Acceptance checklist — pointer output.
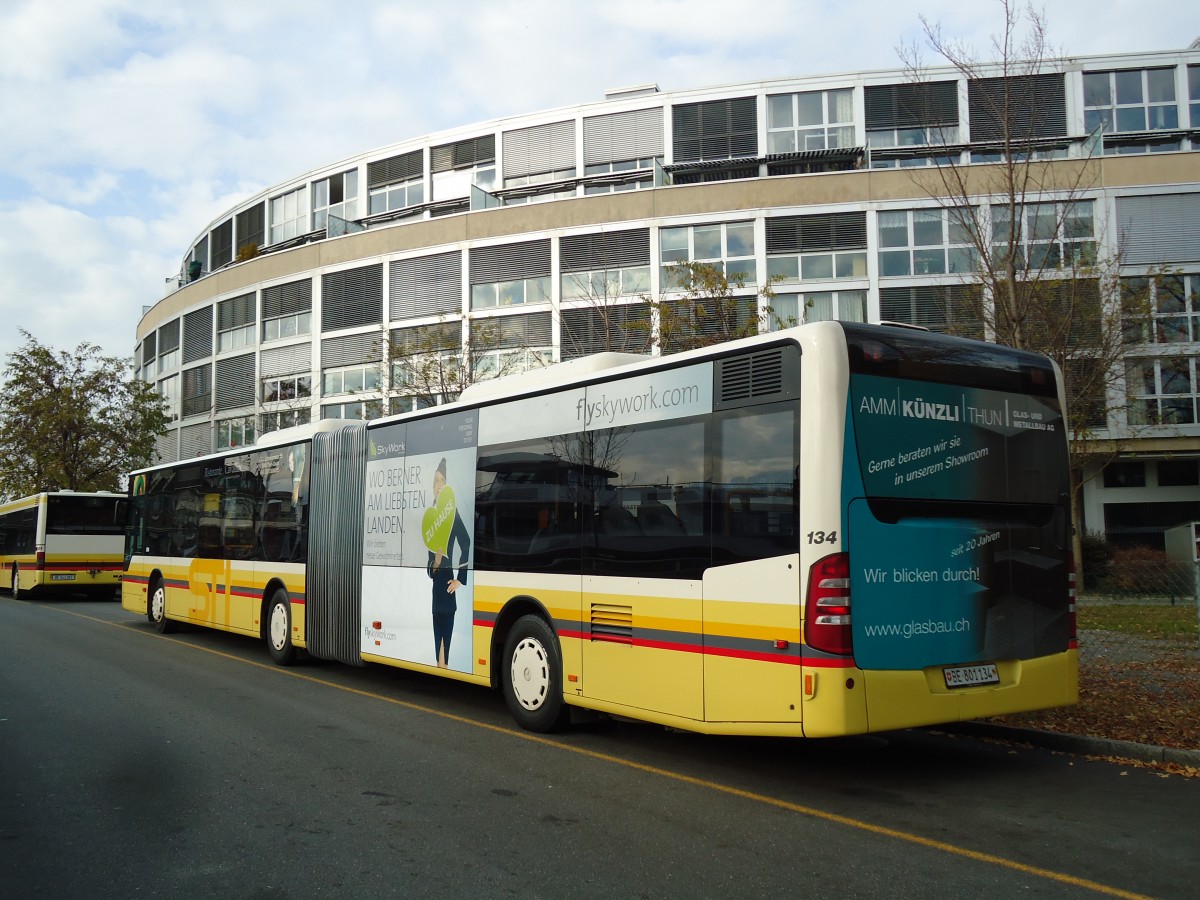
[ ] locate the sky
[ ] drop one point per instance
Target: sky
(127, 126)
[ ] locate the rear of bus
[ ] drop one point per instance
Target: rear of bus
(952, 597)
(84, 542)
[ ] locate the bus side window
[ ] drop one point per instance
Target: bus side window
(755, 494)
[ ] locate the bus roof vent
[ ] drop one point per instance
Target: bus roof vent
(763, 376)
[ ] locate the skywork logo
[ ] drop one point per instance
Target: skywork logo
(608, 411)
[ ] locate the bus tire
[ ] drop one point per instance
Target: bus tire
(532, 676)
(279, 629)
(156, 607)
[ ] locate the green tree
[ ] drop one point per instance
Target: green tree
(73, 420)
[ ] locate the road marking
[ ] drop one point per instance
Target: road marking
(809, 811)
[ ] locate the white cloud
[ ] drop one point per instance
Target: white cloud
(129, 126)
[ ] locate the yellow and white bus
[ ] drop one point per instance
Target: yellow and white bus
(833, 529)
(63, 541)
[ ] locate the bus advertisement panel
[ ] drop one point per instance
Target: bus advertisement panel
(961, 558)
(420, 497)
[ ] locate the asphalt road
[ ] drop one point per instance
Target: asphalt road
(140, 765)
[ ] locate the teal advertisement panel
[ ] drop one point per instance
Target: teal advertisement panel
(958, 524)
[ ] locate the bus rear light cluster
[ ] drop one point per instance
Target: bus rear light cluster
(827, 605)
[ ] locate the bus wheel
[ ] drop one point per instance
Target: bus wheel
(16, 583)
(279, 629)
(156, 608)
(532, 676)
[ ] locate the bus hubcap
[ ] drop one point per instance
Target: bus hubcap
(530, 674)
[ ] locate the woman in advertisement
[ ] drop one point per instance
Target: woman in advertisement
(445, 532)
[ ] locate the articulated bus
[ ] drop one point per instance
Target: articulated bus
(63, 541)
(833, 529)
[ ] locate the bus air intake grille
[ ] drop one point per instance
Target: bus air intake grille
(753, 378)
(612, 623)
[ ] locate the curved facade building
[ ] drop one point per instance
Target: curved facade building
(537, 238)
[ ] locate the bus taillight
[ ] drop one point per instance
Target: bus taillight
(827, 608)
(41, 560)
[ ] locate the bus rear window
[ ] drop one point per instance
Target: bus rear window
(927, 356)
(925, 441)
(84, 515)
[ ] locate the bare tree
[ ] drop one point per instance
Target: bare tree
(597, 316)
(431, 364)
(1029, 240)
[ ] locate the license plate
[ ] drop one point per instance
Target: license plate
(970, 676)
(62, 576)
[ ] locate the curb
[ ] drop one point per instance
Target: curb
(1077, 744)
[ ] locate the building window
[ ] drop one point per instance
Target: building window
(1178, 473)
(817, 247)
(350, 380)
(397, 196)
(168, 389)
(1194, 100)
(458, 182)
(235, 323)
(284, 418)
(510, 274)
(606, 265)
(946, 308)
(916, 114)
(620, 187)
(1046, 235)
(624, 176)
(288, 216)
(818, 306)
(715, 129)
(516, 292)
(728, 247)
(926, 242)
(1125, 474)
(196, 390)
(336, 195)
(495, 363)
(415, 403)
(287, 387)
(503, 345)
(1130, 100)
(293, 325)
(618, 166)
(168, 347)
(1161, 391)
(235, 433)
(235, 338)
(814, 120)
(362, 410)
(1162, 310)
(458, 166)
(606, 283)
(542, 154)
